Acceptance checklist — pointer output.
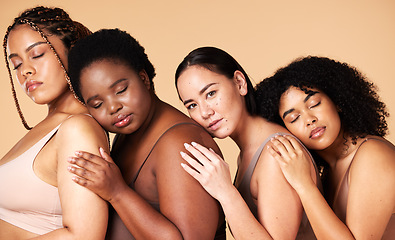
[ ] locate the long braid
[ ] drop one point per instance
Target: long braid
(18, 107)
(57, 22)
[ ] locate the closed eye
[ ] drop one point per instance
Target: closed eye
(38, 56)
(97, 105)
(317, 104)
(123, 90)
(295, 119)
(17, 66)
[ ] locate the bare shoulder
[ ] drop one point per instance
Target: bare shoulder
(375, 155)
(81, 127)
(175, 137)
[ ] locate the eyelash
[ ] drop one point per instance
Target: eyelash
(190, 106)
(97, 106)
(317, 104)
(35, 57)
(210, 94)
(123, 90)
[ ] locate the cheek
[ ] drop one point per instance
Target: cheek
(294, 129)
(100, 117)
(195, 116)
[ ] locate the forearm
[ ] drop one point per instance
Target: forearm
(69, 234)
(141, 219)
(325, 223)
(241, 221)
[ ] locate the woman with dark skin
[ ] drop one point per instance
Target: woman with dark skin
(336, 112)
(219, 96)
(38, 199)
(152, 196)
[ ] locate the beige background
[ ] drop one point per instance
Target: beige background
(261, 35)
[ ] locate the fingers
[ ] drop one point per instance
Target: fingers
(195, 164)
(191, 171)
(209, 153)
(283, 147)
(106, 156)
(81, 181)
(88, 157)
(81, 173)
(198, 154)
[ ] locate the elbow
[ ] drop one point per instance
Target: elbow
(84, 233)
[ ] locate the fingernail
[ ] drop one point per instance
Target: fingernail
(78, 153)
(70, 168)
(194, 144)
(186, 145)
(182, 154)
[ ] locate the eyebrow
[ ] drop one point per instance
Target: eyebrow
(111, 86)
(309, 93)
(27, 49)
(200, 92)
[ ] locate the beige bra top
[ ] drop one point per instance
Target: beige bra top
(25, 200)
(341, 198)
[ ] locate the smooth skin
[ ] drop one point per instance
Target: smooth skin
(217, 104)
(187, 211)
(371, 200)
(84, 213)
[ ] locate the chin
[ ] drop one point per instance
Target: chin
(219, 135)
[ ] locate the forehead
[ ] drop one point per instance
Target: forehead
(23, 36)
(195, 77)
(294, 95)
(104, 72)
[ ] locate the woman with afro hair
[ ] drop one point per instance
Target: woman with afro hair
(335, 111)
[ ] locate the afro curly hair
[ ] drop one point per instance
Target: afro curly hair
(109, 44)
(360, 109)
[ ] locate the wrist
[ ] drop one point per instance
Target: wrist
(118, 193)
(304, 189)
(227, 196)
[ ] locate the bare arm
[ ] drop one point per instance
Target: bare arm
(279, 208)
(371, 197)
(84, 213)
(187, 211)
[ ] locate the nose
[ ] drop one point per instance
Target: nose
(114, 106)
(206, 111)
(311, 120)
(27, 70)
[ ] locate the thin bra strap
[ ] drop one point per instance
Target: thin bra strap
(145, 160)
(254, 160)
(352, 160)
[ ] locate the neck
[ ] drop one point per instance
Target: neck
(152, 115)
(341, 148)
(248, 128)
(66, 103)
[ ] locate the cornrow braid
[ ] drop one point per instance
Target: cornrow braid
(56, 21)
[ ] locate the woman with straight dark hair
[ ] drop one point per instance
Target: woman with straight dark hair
(218, 94)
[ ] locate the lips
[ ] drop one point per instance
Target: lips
(214, 125)
(122, 120)
(317, 132)
(32, 85)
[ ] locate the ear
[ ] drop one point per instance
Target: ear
(144, 77)
(240, 82)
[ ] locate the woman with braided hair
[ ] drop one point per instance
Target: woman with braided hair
(38, 198)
